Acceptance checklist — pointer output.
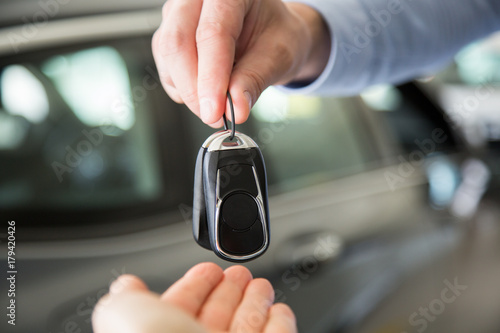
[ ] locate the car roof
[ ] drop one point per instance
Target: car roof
(30, 25)
(18, 12)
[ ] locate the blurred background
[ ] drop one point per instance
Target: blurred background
(384, 206)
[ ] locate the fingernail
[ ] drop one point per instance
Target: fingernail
(206, 110)
(249, 99)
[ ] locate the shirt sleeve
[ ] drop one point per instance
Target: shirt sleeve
(391, 41)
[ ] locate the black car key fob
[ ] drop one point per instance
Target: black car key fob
(230, 209)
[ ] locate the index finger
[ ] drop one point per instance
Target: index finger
(174, 49)
(220, 25)
(192, 290)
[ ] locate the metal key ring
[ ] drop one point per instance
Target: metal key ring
(233, 125)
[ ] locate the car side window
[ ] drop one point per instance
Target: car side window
(307, 140)
(72, 135)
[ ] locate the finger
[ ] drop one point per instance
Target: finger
(155, 46)
(218, 311)
(218, 124)
(140, 312)
(173, 94)
(192, 290)
(220, 25)
(281, 320)
(127, 282)
(242, 102)
(251, 315)
(165, 79)
(175, 51)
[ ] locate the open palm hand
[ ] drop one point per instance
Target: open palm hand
(205, 299)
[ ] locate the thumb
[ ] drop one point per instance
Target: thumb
(140, 312)
(257, 70)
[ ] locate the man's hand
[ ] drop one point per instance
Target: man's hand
(205, 299)
(205, 48)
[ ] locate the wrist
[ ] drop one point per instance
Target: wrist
(319, 40)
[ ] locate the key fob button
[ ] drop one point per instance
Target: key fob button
(239, 211)
(237, 243)
(237, 177)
